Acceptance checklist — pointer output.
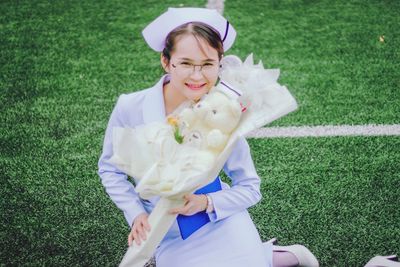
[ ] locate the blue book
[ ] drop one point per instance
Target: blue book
(189, 224)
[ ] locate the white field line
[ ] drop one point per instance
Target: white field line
(315, 131)
(216, 4)
(320, 131)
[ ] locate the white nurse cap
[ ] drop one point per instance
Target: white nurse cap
(157, 31)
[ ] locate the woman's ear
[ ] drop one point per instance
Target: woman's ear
(164, 63)
(220, 65)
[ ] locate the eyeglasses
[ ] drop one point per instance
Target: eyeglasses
(187, 68)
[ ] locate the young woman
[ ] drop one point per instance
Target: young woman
(192, 42)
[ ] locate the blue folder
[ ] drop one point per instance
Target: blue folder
(190, 224)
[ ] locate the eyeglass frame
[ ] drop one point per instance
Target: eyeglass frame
(193, 66)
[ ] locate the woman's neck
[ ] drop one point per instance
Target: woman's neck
(172, 98)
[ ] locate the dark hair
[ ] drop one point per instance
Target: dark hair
(198, 30)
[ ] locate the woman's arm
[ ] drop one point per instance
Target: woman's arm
(120, 190)
(245, 190)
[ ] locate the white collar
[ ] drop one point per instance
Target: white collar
(153, 104)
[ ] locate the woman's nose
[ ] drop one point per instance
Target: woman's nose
(196, 73)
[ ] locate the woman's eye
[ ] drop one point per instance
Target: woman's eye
(208, 66)
(186, 64)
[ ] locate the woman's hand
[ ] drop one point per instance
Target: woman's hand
(194, 204)
(139, 228)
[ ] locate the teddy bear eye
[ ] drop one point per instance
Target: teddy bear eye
(214, 111)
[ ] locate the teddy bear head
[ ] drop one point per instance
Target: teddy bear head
(219, 111)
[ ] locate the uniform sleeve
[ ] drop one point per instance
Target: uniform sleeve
(245, 190)
(120, 190)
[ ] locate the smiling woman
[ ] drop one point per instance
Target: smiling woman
(181, 62)
(192, 42)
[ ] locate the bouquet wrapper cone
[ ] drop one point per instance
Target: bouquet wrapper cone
(160, 221)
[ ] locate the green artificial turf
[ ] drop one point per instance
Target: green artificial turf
(329, 55)
(339, 196)
(64, 63)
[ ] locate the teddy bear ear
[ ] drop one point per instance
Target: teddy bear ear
(230, 61)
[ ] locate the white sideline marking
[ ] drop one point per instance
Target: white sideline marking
(216, 4)
(329, 130)
(315, 131)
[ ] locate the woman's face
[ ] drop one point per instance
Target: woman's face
(189, 81)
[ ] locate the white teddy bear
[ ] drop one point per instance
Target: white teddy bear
(210, 122)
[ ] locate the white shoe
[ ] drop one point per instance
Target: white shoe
(303, 255)
(383, 261)
(272, 241)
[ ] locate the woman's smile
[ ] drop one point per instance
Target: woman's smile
(195, 87)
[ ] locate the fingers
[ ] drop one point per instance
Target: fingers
(141, 232)
(147, 225)
(187, 197)
(138, 232)
(133, 237)
(136, 237)
(130, 239)
(193, 204)
(181, 210)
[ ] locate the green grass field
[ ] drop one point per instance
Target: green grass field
(64, 63)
